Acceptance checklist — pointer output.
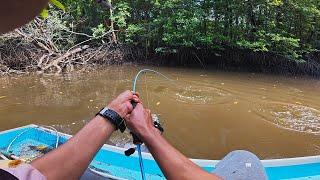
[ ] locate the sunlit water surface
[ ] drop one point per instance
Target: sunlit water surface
(206, 114)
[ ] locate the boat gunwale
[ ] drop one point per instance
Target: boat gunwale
(201, 162)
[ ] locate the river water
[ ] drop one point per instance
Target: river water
(206, 114)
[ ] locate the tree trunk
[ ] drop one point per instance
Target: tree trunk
(113, 34)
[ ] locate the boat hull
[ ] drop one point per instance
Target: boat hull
(110, 161)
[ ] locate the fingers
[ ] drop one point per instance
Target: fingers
(122, 104)
(136, 93)
(136, 112)
(125, 99)
(125, 96)
(127, 117)
(148, 111)
(139, 107)
(129, 107)
(130, 95)
(136, 99)
(147, 114)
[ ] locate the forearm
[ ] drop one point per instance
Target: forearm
(64, 162)
(173, 164)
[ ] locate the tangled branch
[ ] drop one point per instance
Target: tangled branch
(49, 46)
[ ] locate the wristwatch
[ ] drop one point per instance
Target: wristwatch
(113, 117)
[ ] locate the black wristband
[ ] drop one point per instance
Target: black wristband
(114, 118)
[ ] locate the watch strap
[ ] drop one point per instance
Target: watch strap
(113, 117)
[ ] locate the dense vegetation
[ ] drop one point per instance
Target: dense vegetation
(264, 35)
(285, 27)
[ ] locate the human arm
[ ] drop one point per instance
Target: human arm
(71, 159)
(173, 164)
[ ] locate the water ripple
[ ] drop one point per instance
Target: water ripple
(202, 95)
(292, 116)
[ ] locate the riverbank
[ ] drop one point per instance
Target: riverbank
(268, 37)
(242, 60)
(16, 58)
(20, 54)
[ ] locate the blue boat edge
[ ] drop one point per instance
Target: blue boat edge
(287, 168)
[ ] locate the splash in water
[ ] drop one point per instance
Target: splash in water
(293, 116)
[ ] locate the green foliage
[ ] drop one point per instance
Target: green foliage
(121, 14)
(286, 46)
(131, 32)
(284, 27)
(57, 4)
(273, 42)
(259, 45)
(45, 12)
(165, 50)
(98, 31)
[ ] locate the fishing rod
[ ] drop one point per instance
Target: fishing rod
(156, 123)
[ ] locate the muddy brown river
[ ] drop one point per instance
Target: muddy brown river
(205, 113)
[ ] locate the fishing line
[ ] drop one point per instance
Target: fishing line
(141, 162)
(134, 90)
(177, 84)
(146, 89)
(147, 70)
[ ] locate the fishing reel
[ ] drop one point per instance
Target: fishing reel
(136, 139)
